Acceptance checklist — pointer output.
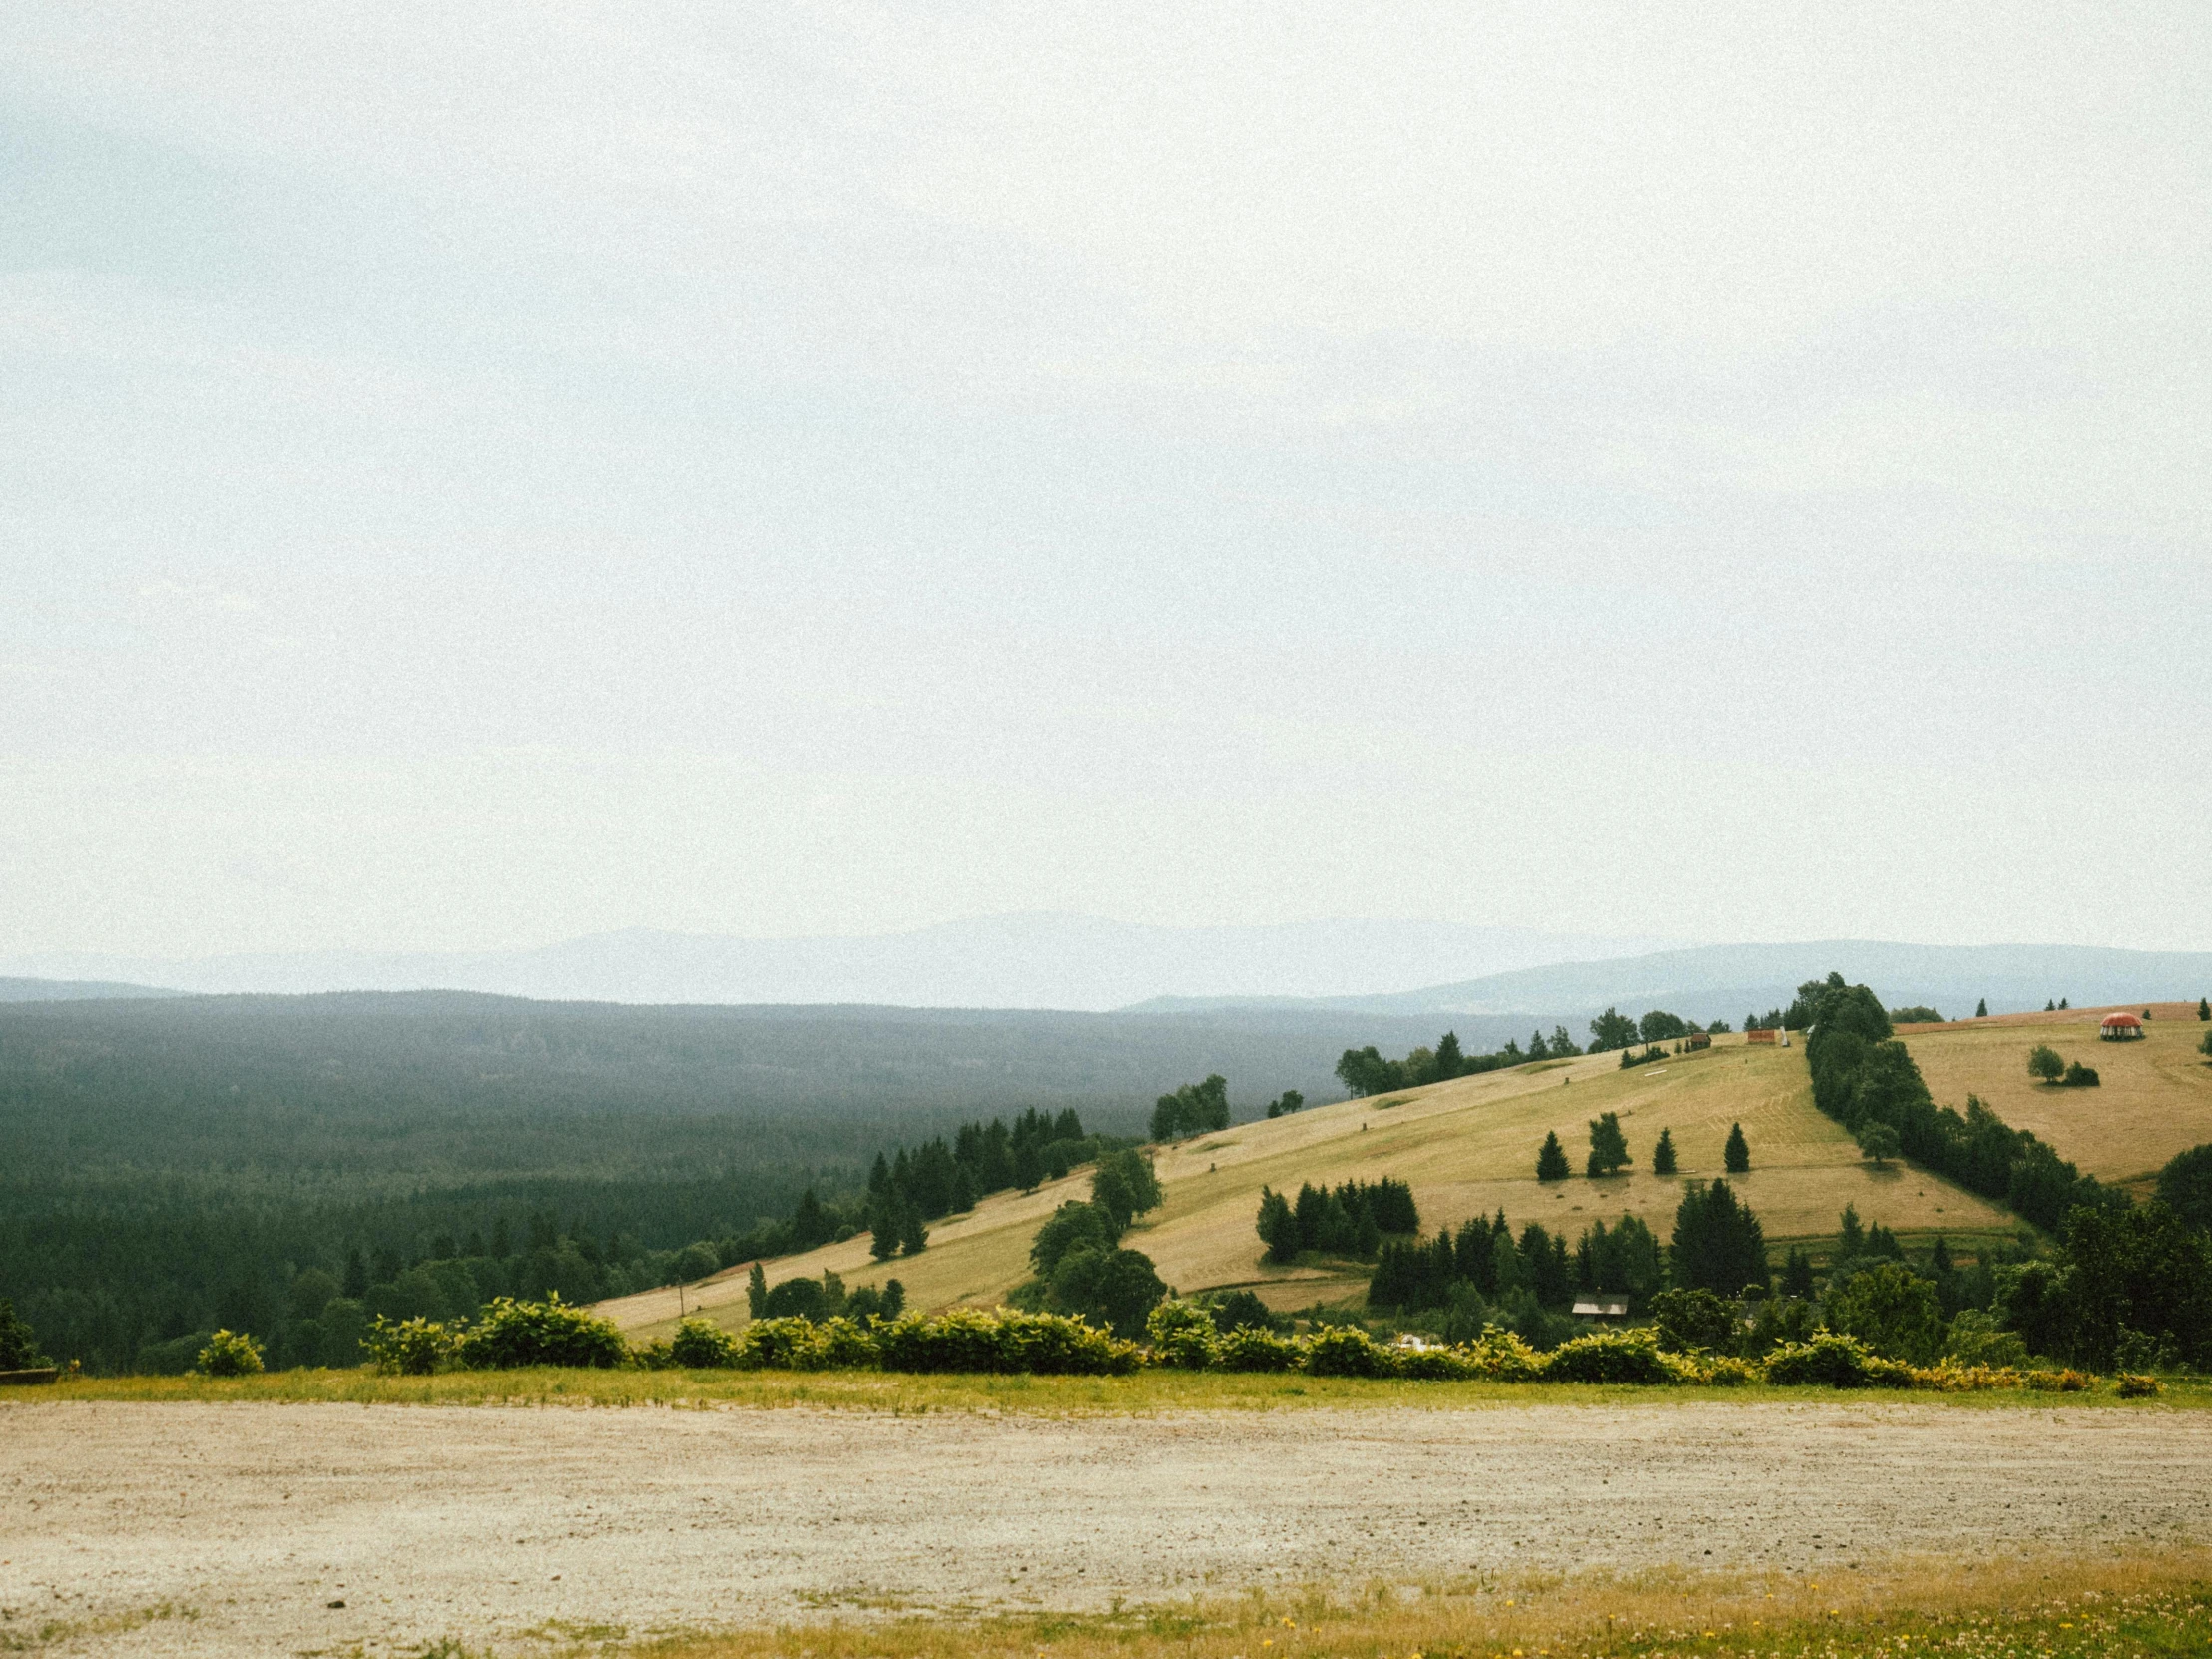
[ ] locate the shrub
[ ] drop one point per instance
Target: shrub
(1976, 1339)
(1693, 1321)
(1347, 1351)
(1951, 1377)
(2066, 1381)
(1239, 1308)
(1063, 1344)
(2079, 1076)
(1893, 1309)
(2135, 1386)
(1832, 1360)
(19, 1349)
(513, 1334)
(843, 1344)
(230, 1353)
(2043, 1061)
(1250, 1349)
(408, 1348)
(1609, 1356)
(1715, 1371)
(1434, 1365)
(782, 1342)
(1503, 1357)
(1183, 1335)
(702, 1345)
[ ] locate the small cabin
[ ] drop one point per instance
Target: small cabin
(1759, 1036)
(2119, 1028)
(1699, 1039)
(1602, 1308)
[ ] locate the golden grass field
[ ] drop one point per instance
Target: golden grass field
(1467, 1146)
(2155, 1100)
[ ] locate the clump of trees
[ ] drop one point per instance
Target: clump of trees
(2045, 1062)
(1921, 1014)
(936, 1179)
(1608, 1146)
(1284, 1104)
(1352, 1220)
(1193, 1109)
(1080, 1266)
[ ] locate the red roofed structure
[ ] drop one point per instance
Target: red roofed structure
(2119, 1028)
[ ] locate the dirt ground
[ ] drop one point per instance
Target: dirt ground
(484, 1525)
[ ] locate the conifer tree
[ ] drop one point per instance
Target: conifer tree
(1851, 1236)
(884, 1228)
(1662, 1155)
(1552, 1162)
(1796, 1275)
(1737, 1154)
(2204, 1007)
(1981, 1009)
(756, 1291)
(913, 1237)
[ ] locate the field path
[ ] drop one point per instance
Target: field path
(482, 1523)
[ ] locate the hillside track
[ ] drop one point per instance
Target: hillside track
(486, 1523)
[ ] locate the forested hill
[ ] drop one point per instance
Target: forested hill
(356, 1086)
(169, 1165)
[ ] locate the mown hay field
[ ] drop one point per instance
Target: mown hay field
(2155, 1099)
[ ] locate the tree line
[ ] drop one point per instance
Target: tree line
(1367, 1071)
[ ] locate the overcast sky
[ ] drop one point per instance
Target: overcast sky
(474, 475)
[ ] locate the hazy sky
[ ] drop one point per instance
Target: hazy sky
(475, 476)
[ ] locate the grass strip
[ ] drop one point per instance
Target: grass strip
(1146, 1392)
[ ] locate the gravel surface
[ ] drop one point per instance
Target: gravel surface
(484, 1523)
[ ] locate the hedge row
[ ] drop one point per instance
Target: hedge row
(1181, 1336)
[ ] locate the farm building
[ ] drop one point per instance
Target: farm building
(1602, 1308)
(2119, 1028)
(1698, 1039)
(1759, 1036)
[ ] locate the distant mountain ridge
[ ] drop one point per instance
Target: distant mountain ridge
(1723, 982)
(73, 991)
(1070, 962)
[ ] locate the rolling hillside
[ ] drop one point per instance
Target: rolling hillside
(1470, 1146)
(1467, 1146)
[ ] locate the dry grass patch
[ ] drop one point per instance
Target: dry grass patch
(2040, 1606)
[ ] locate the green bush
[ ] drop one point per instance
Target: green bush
(1609, 1356)
(1250, 1349)
(230, 1353)
(843, 1344)
(1063, 1344)
(1692, 1322)
(702, 1345)
(408, 1348)
(1503, 1357)
(970, 1339)
(2079, 1076)
(1347, 1351)
(1829, 1359)
(513, 1334)
(2133, 1385)
(1976, 1339)
(1436, 1365)
(1183, 1335)
(1893, 1309)
(781, 1342)
(19, 1349)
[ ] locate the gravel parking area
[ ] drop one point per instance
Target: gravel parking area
(486, 1523)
